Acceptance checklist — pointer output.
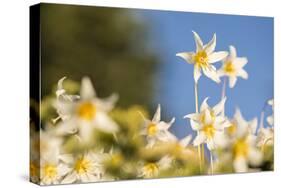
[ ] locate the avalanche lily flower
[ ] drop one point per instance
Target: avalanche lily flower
(210, 124)
(87, 113)
(233, 67)
(270, 119)
(83, 168)
(52, 171)
(203, 58)
(152, 169)
(157, 130)
(244, 142)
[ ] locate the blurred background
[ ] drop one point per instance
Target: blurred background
(132, 52)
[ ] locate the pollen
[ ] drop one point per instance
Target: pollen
(151, 129)
(240, 148)
(87, 111)
(229, 67)
(50, 171)
(82, 165)
(201, 59)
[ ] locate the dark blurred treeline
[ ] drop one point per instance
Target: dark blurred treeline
(108, 44)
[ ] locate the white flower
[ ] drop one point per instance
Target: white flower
(210, 125)
(243, 143)
(52, 171)
(152, 169)
(270, 119)
(83, 168)
(203, 58)
(265, 137)
(181, 146)
(157, 130)
(87, 113)
(233, 67)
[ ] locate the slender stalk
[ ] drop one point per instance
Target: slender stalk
(203, 155)
(212, 165)
(197, 110)
(223, 91)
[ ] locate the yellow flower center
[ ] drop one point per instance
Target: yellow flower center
(82, 165)
(240, 148)
(151, 129)
(50, 171)
(201, 59)
(151, 169)
(209, 131)
(232, 129)
(229, 67)
(87, 111)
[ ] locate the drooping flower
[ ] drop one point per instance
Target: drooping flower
(270, 119)
(84, 168)
(243, 143)
(203, 58)
(233, 67)
(157, 130)
(152, 169)
(210, 124)
(87, 113)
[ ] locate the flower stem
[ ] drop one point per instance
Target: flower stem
(197, 110)
(211, 161)
(223, 91)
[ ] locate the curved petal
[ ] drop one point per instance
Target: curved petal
(217, 56)
(232, 81)
(199, 139)
(195, 126)
(187, 56)
(193, 116)
(210, 47)
(240, 62)
(204, 105)
(196, 73)
(87, 90)
(242, 73)
(105, 124)
(185, 141)
(157, 116)
(218, 108)
(70, 178)
(232, 51)
(198, 42)
(212, 74)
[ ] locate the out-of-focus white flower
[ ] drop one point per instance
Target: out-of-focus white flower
(210, 125)
(233, 67)
(181, 146)
(52, 171)
(265, 137)
(244, 142)
(87, 113)
(152, 169)
(203, 58)
(270, 119)
(84, 168)
(157, 130)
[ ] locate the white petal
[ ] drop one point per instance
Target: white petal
(87, 90)
(107, 104)
(198, 42)
(218, 108)
(242, 73)
(187, 56)
(212, 74)
(185, 141)
(157, 116)
(196, 73)
(70, 178)
(232, 81)
(199, 139)
(86, 130)
(270, 120)
(193, 116)
(66, 127)
(105, 123)
(233, 53)
(220, 139)
(211, 144)
(240, 164)
(195, 126)
(210, 47)
(255, 156)
(204, 105)
(240, 62)
(208, 117)
(217, 56)
(253, 125)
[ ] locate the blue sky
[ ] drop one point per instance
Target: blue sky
(170, 33)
